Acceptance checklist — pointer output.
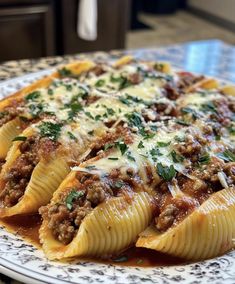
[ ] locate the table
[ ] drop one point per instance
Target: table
(210, 57)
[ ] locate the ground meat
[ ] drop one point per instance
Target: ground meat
(10, 112)
(192, 146)
(98, 70)
(63, 221)
(166, 218)
(187, 79)
(19, 175)
(135, 78)
(164, 109)
(174, 211)
(172, 92)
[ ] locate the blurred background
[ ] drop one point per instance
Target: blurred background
(39, 28)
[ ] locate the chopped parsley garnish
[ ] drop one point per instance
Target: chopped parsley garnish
(204, 159)
(73, 195)
(91, 132)
(188, 110)
(165, 172)
(100, 83)
(19, 138)
(121, 145)
(87, 113)
(36, 109)
(75, 108)
(154, 153)
(130, 157)
(50, 92)
(127, 99)
(123, 81)
(108, 146)
(153, 127)
(147, 135)
(208, 107)
(110, 111)
(227, 156)
(134, 119)
(163, 144)
(179, 139)
(64, 72)
(113, 158)
(141, 145)
(231, 130)
(50, 130)
(176, 157)
(33, 96)
(97, 117)
(71, 136)
(182, 122)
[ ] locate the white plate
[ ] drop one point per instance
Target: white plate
(22, 261)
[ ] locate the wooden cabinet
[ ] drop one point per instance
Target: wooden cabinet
(37, 28)
(26, 31)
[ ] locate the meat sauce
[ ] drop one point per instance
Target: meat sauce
(28, 228)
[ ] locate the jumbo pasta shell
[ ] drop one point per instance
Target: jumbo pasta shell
(45, 179)
(208, 232)
(111, 227)
(7, 133)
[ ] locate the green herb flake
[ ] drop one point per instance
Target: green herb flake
(71, 196)
(208, 107)
(50, 92)
(19, 138)
(75, 108)
(91, 132)
(113, 158)
(141, 145)
(134, 119)
(108, 146)
(50, 130)
(130, 157)
(165, 172)
(227, 156)
(100, 83)
(87, 113)
(163, 144)
(192, 112)
(36, 109)
(204, 159)
(182, 122)
(33, 96)
(154, 153)
(72, 137)
(121, 145)
(176, 157)
(64, 72)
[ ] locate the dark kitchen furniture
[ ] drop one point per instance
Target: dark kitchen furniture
(37, 28)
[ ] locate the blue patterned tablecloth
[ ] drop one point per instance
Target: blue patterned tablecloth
(210, 57)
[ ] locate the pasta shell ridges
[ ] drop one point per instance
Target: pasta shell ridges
(208, 232)
(101, 227)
